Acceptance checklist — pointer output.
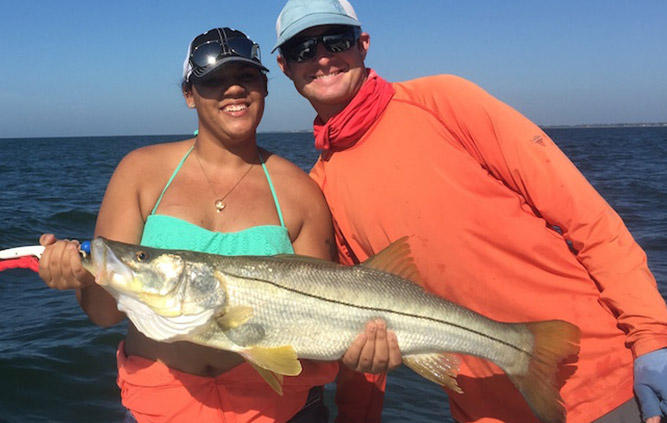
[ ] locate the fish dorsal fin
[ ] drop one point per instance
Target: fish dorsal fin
(275, 381)
(235, 317)
(397, 260)
(281, 360)
(439, 368)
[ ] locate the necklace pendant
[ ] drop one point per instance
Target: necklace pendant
(219, 205)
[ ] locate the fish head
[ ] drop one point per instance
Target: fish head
(149, 275)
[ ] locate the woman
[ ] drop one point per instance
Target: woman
(218, 193)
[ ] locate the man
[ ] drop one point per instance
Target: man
(500, 221)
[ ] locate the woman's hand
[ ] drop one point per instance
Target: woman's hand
(60, 265)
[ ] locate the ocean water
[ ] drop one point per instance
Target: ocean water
(55, 366)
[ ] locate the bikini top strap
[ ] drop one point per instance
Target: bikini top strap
(273, 192)
(173, 175)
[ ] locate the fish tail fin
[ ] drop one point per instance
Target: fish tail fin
(555, 341)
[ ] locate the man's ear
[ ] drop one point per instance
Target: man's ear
(284, 66)
(364, 43)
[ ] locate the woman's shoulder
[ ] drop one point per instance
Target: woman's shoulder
(154, 157)
(305, 209)
(296, 190)
(142, 174)
(283, 171)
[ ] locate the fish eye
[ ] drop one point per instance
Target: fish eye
(142, 255)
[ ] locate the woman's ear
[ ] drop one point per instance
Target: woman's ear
(189, 98)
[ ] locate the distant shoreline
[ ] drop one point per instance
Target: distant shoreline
(584, 125)
(610, 125)
(305, 131)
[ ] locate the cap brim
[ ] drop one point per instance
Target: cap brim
(210, 71)
(311, 21)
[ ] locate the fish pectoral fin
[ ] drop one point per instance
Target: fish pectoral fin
(397, 260)
(438, 368)
(274, 380)
(235, 317)
(281, 360)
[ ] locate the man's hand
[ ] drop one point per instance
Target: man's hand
(651, 385)
(374, 351)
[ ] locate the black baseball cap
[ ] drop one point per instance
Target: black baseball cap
(217, 47)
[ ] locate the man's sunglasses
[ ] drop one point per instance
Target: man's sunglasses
(303, 49)
(210, 52)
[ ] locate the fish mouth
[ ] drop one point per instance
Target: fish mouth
(108, 269)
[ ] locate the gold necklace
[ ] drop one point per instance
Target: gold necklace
(220, 202)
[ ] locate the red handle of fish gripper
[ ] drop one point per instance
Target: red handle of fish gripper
(23, 262)
(21, 257)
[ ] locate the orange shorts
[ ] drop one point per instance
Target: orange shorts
(154, 393)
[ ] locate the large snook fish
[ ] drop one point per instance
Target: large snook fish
(274, 310)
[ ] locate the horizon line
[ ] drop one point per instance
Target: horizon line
(297, 131)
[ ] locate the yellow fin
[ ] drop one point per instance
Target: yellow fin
(556, 344)
(275, 381)
(221, 278)
(234, 317)
(439, 368)
(282, 360)
(396, 259)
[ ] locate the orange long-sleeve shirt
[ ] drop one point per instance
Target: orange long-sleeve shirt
(489, 202)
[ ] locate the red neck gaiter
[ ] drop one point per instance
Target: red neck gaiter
(344, 129)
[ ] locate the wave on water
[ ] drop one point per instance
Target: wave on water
(84, 222)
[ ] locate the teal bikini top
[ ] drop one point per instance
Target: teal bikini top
(168, 232)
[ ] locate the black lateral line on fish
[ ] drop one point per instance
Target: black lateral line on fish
(388, 311)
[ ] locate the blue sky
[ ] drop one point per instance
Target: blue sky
(85, 68)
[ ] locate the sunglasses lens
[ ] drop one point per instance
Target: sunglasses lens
(305, 49)
(244, 48)
(302, 51)
(336, 43)
(206, 54)
(209, 53)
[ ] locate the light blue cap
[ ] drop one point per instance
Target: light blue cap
(299, 15)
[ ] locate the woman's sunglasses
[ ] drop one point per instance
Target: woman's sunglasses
(210, 52)
(303, 49)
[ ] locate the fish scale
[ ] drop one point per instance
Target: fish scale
(420, 314)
